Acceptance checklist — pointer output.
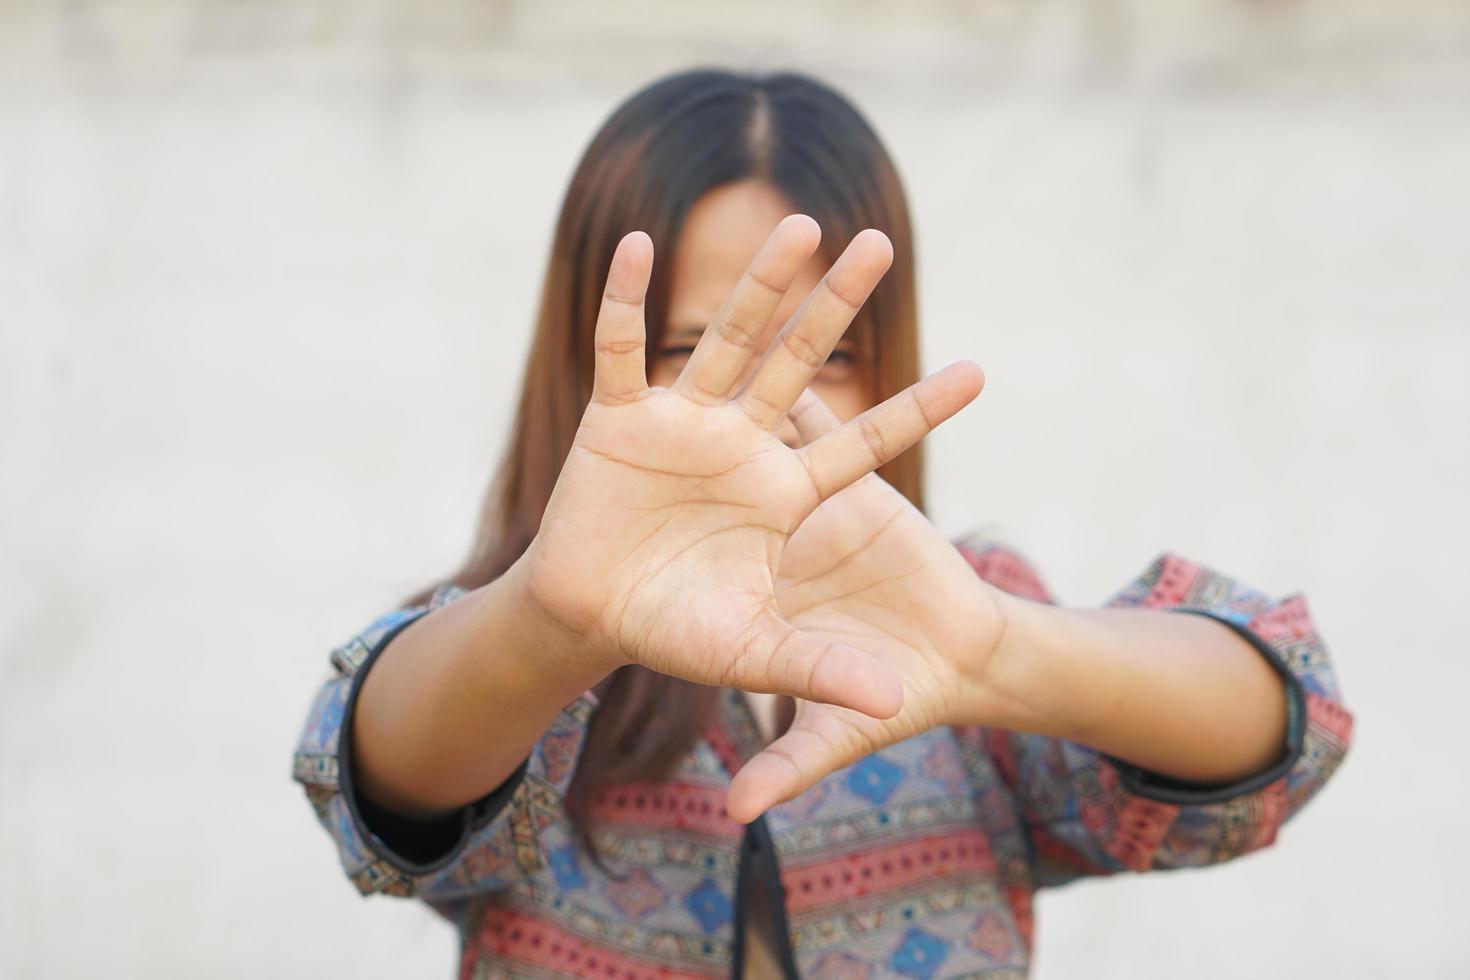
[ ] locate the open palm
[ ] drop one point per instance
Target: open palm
(661, 541)
(869, 569)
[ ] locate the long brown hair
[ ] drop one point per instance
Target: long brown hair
(657, 154)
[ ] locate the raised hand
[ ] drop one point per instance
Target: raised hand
(661, 541)
(868, 569)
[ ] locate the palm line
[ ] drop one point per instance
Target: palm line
(852, 555)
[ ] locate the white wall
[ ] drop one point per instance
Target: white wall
(266, 272)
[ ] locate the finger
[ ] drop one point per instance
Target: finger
(619, 374)
(820, 741)
(728, 343)
(780, 659)
(812, 418)
(840, 457)
(804, 343)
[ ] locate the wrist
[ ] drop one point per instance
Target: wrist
(564, 658)
(1021, 680)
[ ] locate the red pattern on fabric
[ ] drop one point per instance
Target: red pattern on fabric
(1002, 755)
(885, 868)
(559, 753)
(1287, 624)
(636, 894)
(726, 747)
(1059, 854)
(538, 942)
(1044, 811)
(684, 806)
(1174, 583)
(991, 937)
(1022, 902)
(1272, 813)
(1330, 718)
(1006, 570)
(1132, 827)
(841, 966)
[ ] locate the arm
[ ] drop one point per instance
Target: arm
(1182, 696)
(1087, 811)
(475, 848)
(455, 703)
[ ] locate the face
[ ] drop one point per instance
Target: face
(721, 234)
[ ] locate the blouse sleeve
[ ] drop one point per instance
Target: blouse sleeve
(482, 847)
(1086, 813)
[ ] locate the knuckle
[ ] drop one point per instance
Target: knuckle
(790, 760)
(759, 407)
(802, 348)
(818, 486)
(615, 300)
(732, 332)
(929, 424)
(761, 281)
(697, 390)
(846, 301)
(872, 434)
(816, 664)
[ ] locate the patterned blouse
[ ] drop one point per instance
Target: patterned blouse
(920, 860)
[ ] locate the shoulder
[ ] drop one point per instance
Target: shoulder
(1002, 566)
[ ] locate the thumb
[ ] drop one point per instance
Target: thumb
(780, 659)
(820, 741)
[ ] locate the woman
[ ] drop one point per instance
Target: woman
(557, 750)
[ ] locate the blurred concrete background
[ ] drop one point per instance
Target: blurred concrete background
(266, 275)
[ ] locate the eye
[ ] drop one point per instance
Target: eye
(841, 356)
(679, 351)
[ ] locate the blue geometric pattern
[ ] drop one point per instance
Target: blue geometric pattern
(709, 906)
(565, 869)
(874, 779)
(919, 861)
(919, 955)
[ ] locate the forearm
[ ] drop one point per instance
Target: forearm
(456, 701)
(1180, 695)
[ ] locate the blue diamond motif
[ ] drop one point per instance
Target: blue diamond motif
(874, 779)
(564, 866)
(919, 955)
(710, 907)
